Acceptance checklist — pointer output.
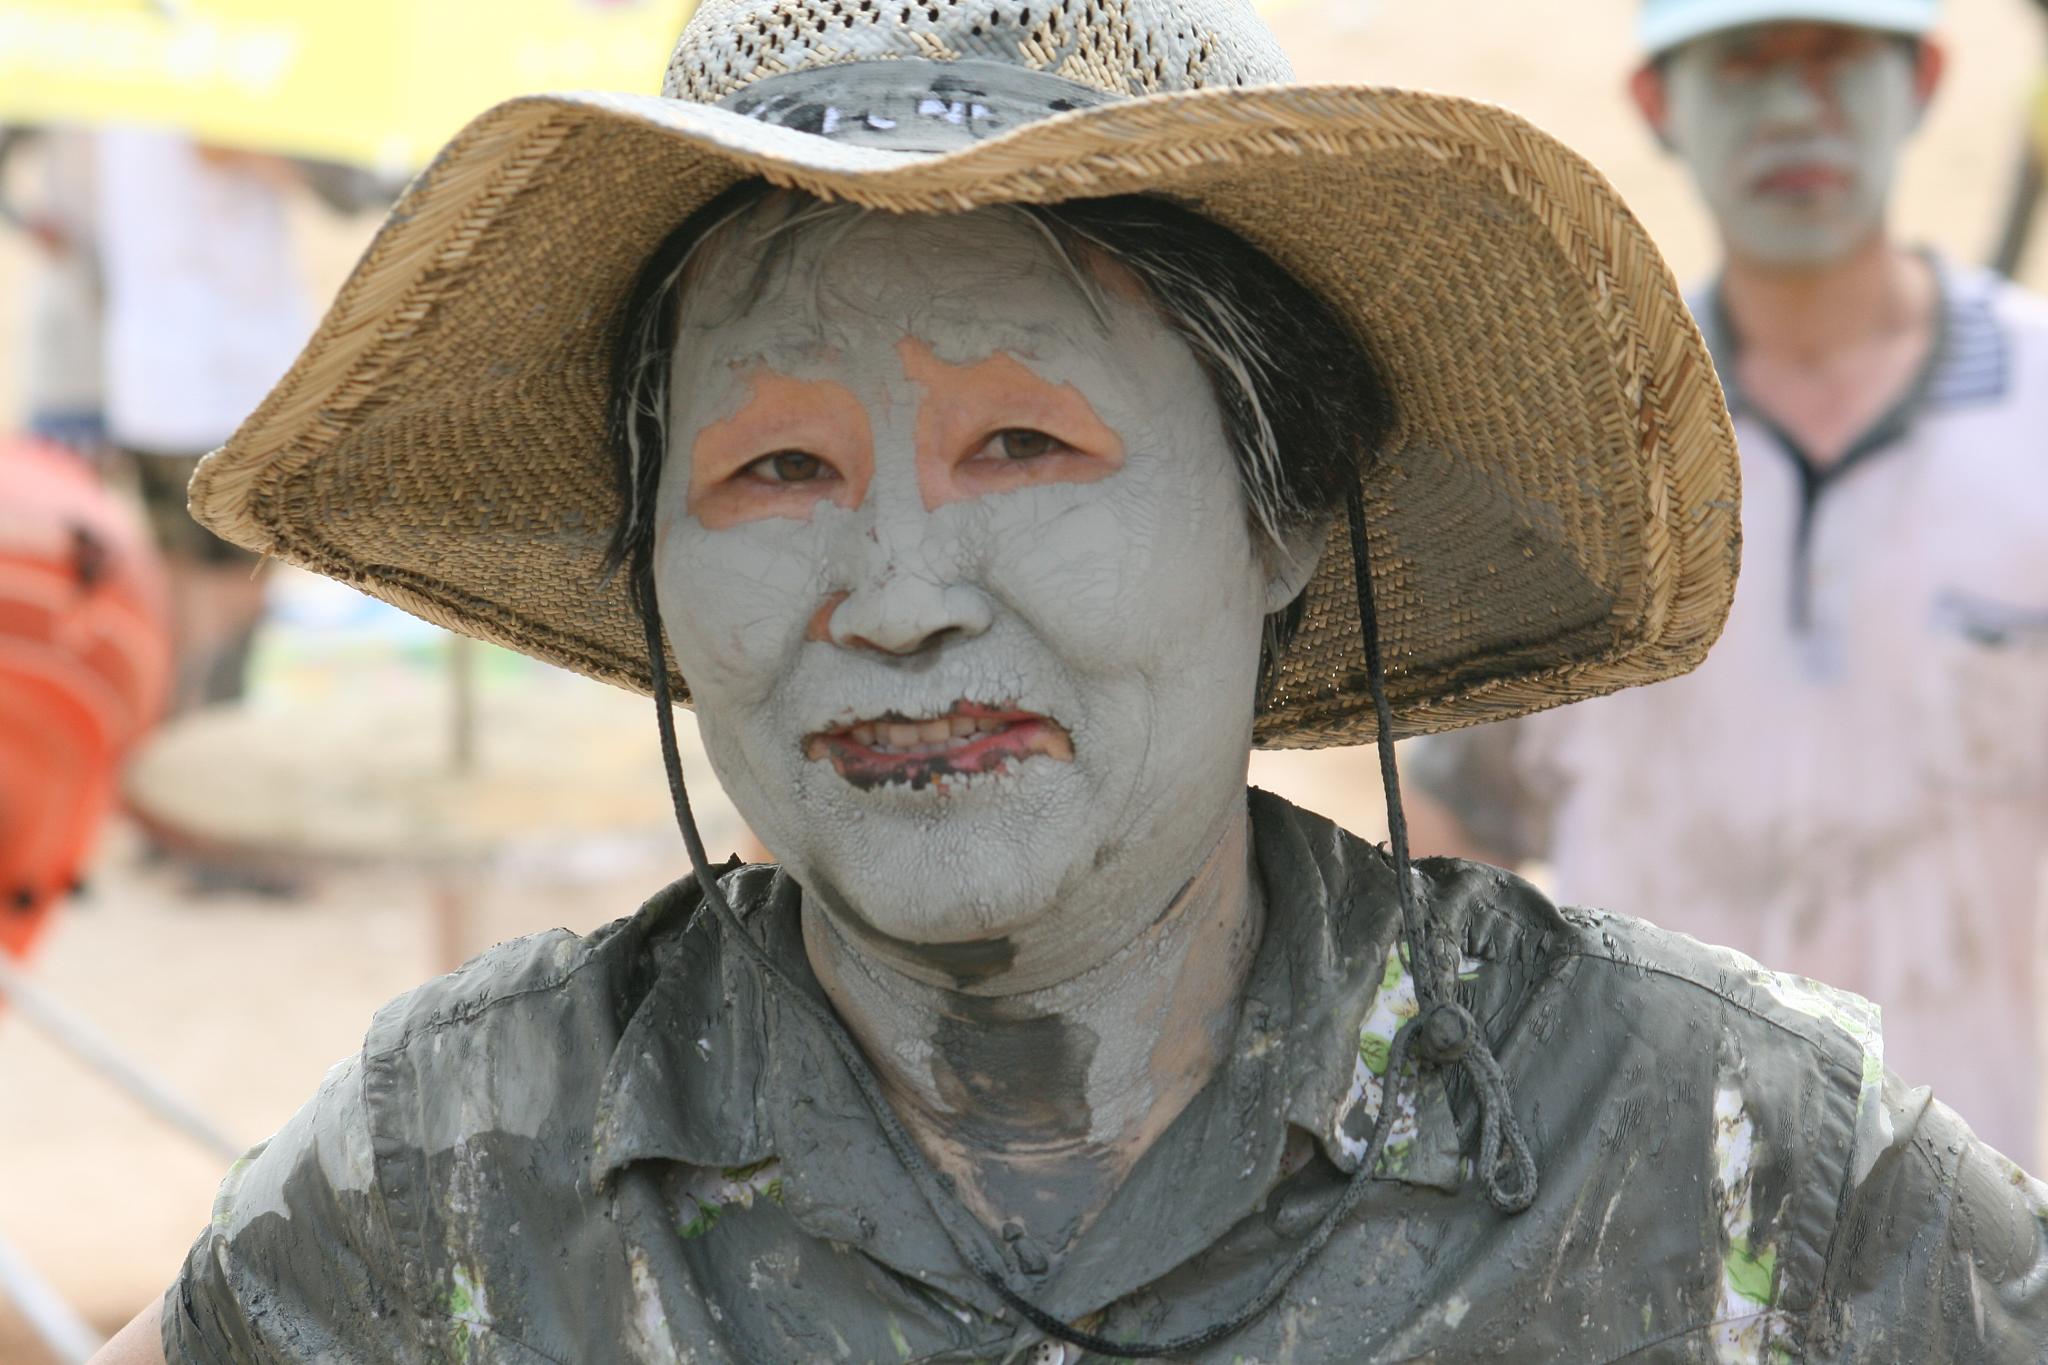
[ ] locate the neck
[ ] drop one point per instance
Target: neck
(1804, 315)
(1037, 1091)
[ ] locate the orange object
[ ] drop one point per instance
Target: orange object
(85, 659)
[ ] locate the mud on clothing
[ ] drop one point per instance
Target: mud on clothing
(1854, 785)
(629, 1147)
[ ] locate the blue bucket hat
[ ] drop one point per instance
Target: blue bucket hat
(1665, 24)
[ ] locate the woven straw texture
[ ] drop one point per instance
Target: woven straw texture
(1554, 519)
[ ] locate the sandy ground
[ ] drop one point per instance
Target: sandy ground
(240, 1002)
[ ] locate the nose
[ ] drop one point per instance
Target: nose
(905, 604)
(1795, 95)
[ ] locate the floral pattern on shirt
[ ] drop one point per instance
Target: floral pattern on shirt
(1394, 1004)
(714, 1193)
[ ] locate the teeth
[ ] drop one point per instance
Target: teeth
(937, 735)
(1055, 743)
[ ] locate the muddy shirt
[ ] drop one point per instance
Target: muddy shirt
(629, 1147)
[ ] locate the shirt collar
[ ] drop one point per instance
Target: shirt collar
(713, 1070)
(680, 1084)
(1969, 362)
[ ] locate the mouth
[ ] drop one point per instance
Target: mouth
(966, 740)
(1804, 180)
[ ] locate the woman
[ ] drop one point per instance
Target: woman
(1037, 446)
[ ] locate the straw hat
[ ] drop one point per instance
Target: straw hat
(1554, 517)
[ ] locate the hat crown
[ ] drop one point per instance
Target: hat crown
(1121, 47)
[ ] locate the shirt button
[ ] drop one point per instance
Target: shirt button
(1030, 1256)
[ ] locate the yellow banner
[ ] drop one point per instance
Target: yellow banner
(380, 83)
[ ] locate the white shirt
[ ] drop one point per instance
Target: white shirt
(1854, 785)
(204, 309)
(60, 364)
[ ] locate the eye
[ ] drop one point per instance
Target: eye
(786, 466)
(1022, 443)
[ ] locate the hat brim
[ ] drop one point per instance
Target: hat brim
(1553, 519)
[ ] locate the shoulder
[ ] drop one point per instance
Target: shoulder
(1503, 922)
(1802, 1053)
(1997, 332)
(442, 1171)
(1718, 1113)
(1845, 1213)
(540, 971)
(523, 1033)
(1839, 1030)
(1614, 993)
(1797, 1044)
(1936, 1220)
(2016, 307)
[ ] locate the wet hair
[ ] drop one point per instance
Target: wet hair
(1303, 407)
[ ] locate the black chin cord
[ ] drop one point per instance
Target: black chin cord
(1443, 1033)
(1446, 1034)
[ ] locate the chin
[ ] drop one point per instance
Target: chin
(935, 866)
(939, 891)
(1802, 235)
(938, 905)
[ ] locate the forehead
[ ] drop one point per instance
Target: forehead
(778, 286)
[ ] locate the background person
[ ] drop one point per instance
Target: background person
(203, 310)
(59, 366)
(1853, 785)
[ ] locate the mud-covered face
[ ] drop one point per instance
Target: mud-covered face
(954, 555)
(1793, 132)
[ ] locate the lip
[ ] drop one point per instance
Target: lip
(967, 739)
(1802, 179)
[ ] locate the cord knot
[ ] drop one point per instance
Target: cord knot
(1444, 1032)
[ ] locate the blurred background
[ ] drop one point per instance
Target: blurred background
(345, 801)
